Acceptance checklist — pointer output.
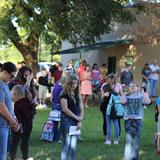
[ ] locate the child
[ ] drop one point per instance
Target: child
(23, 110)
(158, 124)
(144, 90)
(133, 120)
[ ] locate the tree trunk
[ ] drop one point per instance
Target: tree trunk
(29, 51)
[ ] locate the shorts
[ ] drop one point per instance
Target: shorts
(42, 91)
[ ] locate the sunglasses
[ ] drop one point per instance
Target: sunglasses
(12, 76)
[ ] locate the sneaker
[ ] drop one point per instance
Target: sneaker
(108, 142)
(30, 158)
(80, 139)
(115, 142)
(60, 141)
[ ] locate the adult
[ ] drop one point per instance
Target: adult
(1, 66)
(146, 72)
(6, 110)
(154, 78)
(96, 80)
(126, 76)
(104, 72)
(21, 79)
(58, 73)
(22, 109)
(86, 85)
(72, 115)
(82, 67)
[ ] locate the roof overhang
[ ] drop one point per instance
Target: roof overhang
(95, 46)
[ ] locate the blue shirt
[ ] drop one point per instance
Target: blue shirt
(5, 97)
(134, 107)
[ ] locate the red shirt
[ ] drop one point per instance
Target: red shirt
(57, 75)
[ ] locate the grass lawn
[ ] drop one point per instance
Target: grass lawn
(93, 147)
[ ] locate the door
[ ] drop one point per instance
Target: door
(111, 64)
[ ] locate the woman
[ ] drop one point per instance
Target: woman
(86, 85)
(25, 78)
(22, 107)
(72, 115)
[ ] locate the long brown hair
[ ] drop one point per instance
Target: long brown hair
(68, 86)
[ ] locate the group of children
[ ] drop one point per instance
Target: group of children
(133, 102)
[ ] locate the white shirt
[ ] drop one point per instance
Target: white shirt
(154, 71)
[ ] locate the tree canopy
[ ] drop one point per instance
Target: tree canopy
(23, 22)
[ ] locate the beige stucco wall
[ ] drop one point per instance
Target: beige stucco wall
(142, 53)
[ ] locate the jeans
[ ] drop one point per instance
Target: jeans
(109, 128)
(132, 130)
(153, 85)
(4, 132)
(69, 142)
(57, 131)
(57, 125)
(24, 145)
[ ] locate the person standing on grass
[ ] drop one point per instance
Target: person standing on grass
(72, 115)
(42, 80)
(22, 109)
(133, 116)
(55, 99)
(104, 103)
(158, 124)
(86, 85)
(21, 78)
(126, 76)
(154, 77)
(7, 116)
(146, 72)
(110, 118)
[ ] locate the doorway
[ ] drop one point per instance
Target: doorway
(111, 64)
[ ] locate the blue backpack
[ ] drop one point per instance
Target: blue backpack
(115, 109)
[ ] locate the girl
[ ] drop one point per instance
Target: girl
(104, 103)
(72, 115)
(133, 120)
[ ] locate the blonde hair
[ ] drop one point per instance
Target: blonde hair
(19, 90)
(68, 86)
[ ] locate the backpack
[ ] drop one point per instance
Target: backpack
(48, 131)
(116, 108)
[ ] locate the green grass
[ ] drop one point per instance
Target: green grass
(93, 148)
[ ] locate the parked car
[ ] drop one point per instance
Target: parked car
(47, 65)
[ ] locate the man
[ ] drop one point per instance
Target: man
(154, 78)
(7, 117)
(146, 72)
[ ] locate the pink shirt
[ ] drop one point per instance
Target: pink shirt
(118, 88)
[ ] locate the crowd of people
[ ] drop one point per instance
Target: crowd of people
(70, 91)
